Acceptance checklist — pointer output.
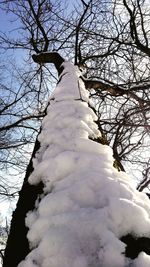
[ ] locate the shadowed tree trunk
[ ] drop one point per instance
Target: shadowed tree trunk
(17, 245)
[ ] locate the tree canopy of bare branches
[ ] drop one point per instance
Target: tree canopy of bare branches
(110, 41)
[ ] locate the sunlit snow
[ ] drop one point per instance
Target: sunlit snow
(87, 204)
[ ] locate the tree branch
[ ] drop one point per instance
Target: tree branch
(113, 89)
(50, 57)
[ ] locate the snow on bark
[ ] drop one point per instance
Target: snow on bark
(87, 205)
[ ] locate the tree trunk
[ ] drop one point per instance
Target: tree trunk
(80, 206)
(17, 244)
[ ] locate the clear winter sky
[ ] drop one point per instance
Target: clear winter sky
(6, 27)
(4, 21)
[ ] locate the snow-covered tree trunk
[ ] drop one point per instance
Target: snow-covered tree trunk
(84, 211)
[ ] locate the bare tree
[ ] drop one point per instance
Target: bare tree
(110, 43)
(20, 121)
(34, 192)
(112, 48)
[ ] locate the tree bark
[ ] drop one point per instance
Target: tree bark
(51, 57)
(17, 244)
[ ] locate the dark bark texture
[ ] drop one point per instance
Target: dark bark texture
(136, 245)
(17, 244)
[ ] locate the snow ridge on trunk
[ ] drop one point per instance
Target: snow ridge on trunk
(87, 205)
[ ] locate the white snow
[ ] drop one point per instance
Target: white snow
(87, 204)
(143, 260)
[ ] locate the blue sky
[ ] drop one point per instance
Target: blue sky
(6, 21)
(7, 18)
(6, 26)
